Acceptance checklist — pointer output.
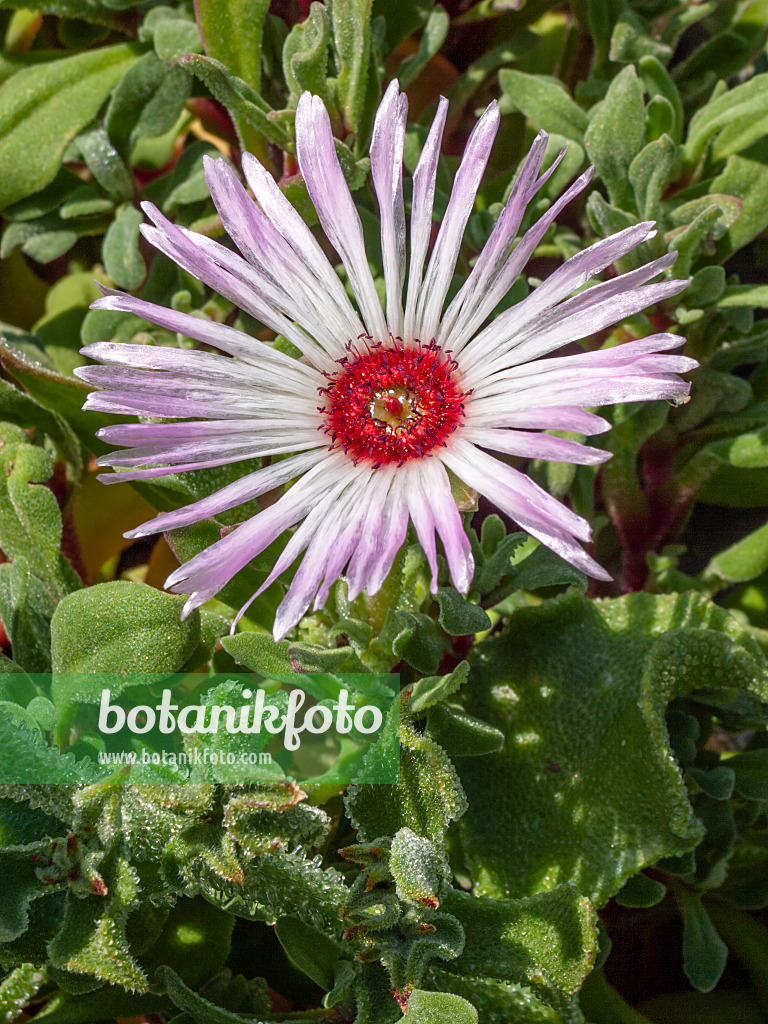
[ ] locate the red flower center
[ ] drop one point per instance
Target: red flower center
(389, 404)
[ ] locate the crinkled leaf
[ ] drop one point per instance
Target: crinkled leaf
(200, 1010)
(545, 942)
(305, 54)
(427, 798)
(416, 867)
(458, 616)
(579, 689)
(429, 690)
(462, 735)
(92, 938)
(351, 32)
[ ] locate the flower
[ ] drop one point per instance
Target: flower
(384, 402)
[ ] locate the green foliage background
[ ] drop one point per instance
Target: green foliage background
(564, 751)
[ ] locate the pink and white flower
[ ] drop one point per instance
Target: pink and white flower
(383, 403)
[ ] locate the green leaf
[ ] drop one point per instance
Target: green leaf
(19, 988)
(30, 520)
(717, 782)
(121, 628)
(706, 287)
(351, 31)
(432, 38)
(546, 943)
(247, 108)
(146, 102)
(416, 867)
(745, 560)
(704, 952)
(122, 259)
(199, 1009)
(610, 807)
(545, 101)
(309, 950)
(658, 83)
(641, 891)
(602, 16)
(27, 605)
(650, 173)
(615, 135)
(305, 55)
(438, 1008)
(92, 939)
(748, 451)
(21, 885)
(605, 218)
(231, 30)
(745, 176)
(458, 616)
(742, 104)
(105, 163)
(462, 735)
(414, 637)
(751, 770)
(545, 568)
(173, 35)
(632, 40)
(426, 799)
(43, 108)
(26, 759)
(259, 652)
(426, 692)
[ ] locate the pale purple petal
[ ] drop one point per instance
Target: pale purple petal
(511, 270)
(458, 550)
(370, 531)
(329, 530)
(492, 478)
(331, 541)
(206, 573)
(232, 277)
(290, 282)
(172, 405)
(537, 446)
(394, 528)
(530, 497)
(569, 327)
(553, 417)
(446, 251)
(287, 221)
(424, 179)
(275, 364)
(248, 487)
(387, 173)
(496, 250)
(335, 207)
(422, 517)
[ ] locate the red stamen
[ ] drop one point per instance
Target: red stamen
(388, 404)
